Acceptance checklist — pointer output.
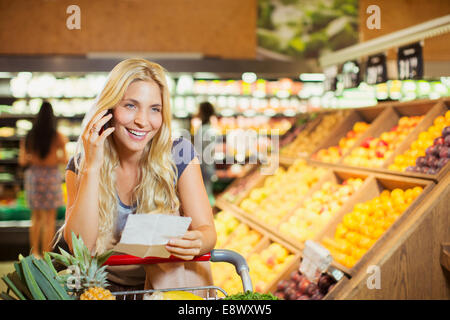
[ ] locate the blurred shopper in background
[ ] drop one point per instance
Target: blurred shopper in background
(204, 141)
(42, 150)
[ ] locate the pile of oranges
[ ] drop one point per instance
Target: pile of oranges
(419, 146)
(368, 221)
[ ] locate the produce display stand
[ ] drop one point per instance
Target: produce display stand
(409, 261)
(409, 252)
(372, 188)
(265, 240)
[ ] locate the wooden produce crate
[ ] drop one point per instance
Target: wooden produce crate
(272, 217)
(240, 187)
(314, 128)
(368, 115)
(375, 185)
(330, 295)
(389, 120)
(439, 109)
(235, 242)
(334, 176)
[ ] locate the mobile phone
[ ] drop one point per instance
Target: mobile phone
(106, 125)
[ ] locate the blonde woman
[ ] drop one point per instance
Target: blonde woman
(128, 163)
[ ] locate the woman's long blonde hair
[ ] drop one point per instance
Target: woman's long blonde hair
(155, 192)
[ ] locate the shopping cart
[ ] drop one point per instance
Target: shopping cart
(216, 255)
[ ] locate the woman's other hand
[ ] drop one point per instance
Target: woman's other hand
(186, 247)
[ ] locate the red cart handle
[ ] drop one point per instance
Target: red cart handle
(125, 259)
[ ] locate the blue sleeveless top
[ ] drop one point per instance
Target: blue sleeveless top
(182, 153)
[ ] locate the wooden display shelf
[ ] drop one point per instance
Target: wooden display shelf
(265, 240)
(373, 188)
(335, 176)
(295, 266)
(368, 115)
(410, 260)
(309, 129)
(272, 229)
(390, 118)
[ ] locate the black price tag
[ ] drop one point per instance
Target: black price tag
(376, 70)
(350, 74)
(330, 82)
(410, 62)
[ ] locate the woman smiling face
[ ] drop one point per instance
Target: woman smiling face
(138, 117)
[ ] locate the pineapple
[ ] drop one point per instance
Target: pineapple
(85, 276)
(96, 293)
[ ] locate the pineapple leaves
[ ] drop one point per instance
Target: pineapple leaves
(101, 259)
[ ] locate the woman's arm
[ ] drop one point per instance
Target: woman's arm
(201, 238)
(82, 207)
(82, 214)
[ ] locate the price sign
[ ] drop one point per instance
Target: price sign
(330, 78)
(316, 259)
(410, 62)
(350, 74)
(376, 71)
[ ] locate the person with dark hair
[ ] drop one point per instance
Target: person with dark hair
(42, 150)
(204, 142)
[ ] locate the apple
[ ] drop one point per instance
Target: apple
(280, 295)
(445, 152)
(325, 281)
(366, 142)
(431, 161)
(446, 131)
(439, 141)
(283, 284)
(382, 143)
(421, 161)
(351, 134)
(303, 285)
(317, 296)
(312, 289)
(379, 154)
(442, 162)
(303, 297)
(447, 140)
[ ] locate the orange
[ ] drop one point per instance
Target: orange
(349, 261)
(417, 191)
(439, 121)
(447, 115)
(353, 237)
(378, 232)
(341, 230)
(397, 192)
(357, 253)
(364, 242)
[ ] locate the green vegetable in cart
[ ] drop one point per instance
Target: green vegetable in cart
(249, 295)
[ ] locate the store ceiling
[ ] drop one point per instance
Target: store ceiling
(221, 68)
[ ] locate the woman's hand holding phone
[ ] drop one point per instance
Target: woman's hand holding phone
(94, 137)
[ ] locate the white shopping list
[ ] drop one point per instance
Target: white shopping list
(146, 235)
